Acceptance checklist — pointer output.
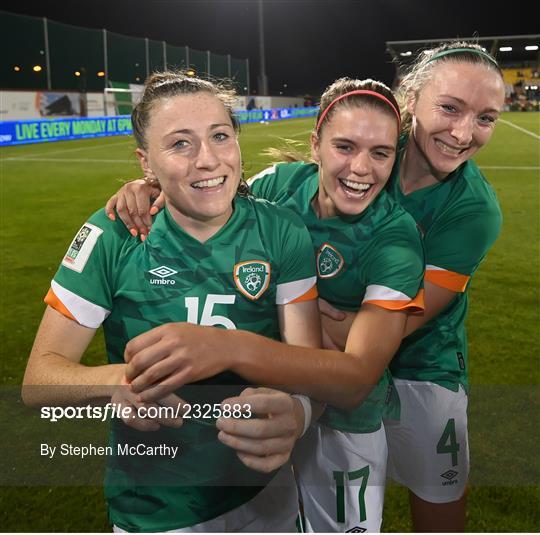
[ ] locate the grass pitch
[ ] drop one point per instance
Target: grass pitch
(47, 191)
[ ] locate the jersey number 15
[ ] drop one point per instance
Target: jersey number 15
(207, 318)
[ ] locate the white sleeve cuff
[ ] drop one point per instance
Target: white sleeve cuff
(306, 404)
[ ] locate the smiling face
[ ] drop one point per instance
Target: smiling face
(356, 149)
(192, 149)
(455, 113)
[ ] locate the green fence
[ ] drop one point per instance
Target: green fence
(44, 54)
(176, 56)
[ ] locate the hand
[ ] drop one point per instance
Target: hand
(335, 326)
(171, 355)
(327, 342)
(133, 203)
(264, 443)
(124, 397)
(326, 309)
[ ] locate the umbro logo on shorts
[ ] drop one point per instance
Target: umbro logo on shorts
(449, 475)
(356, 529)
(163, 272)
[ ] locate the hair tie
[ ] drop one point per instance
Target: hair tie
(359, 92)
(458, 50)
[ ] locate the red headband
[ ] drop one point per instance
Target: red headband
(359, 92)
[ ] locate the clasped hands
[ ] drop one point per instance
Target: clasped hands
(172, 355)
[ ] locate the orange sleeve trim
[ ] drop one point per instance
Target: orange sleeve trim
(447, 279)
(414, 305)
(311, 294)
(52, 300)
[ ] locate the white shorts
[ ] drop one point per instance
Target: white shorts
(273, 510)
(428, 448)
(341, 479)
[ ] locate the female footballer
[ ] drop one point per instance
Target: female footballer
(369, 260)
(215, 257)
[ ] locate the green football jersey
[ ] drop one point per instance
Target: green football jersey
(261, 258)
(460, 220)
(375, 257)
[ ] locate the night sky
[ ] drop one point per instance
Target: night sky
(309, 43)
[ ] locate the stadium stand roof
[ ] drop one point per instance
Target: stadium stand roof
(404, 52)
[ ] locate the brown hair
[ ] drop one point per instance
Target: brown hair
(420, 72)
(167, 84)
(341, 87)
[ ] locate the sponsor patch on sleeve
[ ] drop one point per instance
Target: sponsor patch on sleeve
(81, 247)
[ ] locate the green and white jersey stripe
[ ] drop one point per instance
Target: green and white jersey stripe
(260, 259)
(460, 219)
(375, 257)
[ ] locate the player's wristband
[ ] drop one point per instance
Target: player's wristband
(306, 404)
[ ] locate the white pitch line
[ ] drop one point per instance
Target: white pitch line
(267, 134)
(510, 168)
(490, 167)
(67, 160)
(63, 151)
(298, 134)
(525, 131)
(253, 162)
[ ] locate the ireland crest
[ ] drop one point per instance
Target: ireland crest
(329, 261)
(252, 278)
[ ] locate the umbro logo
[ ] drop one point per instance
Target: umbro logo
(163, 272)
(356, 529)
(449, 475)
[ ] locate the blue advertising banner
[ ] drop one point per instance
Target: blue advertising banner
(42, 130)
(276, 114)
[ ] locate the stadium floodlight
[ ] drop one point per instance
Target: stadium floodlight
(405, 54)
(16, 68)
(36, 68)
(512, 48)
(100, 74)
(77, 73)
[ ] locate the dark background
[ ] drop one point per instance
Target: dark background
(309, 43)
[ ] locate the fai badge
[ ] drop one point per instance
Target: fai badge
(329, 261)
(252, 278)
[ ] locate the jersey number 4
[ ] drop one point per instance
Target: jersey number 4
(207, 317)
(448, 442)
